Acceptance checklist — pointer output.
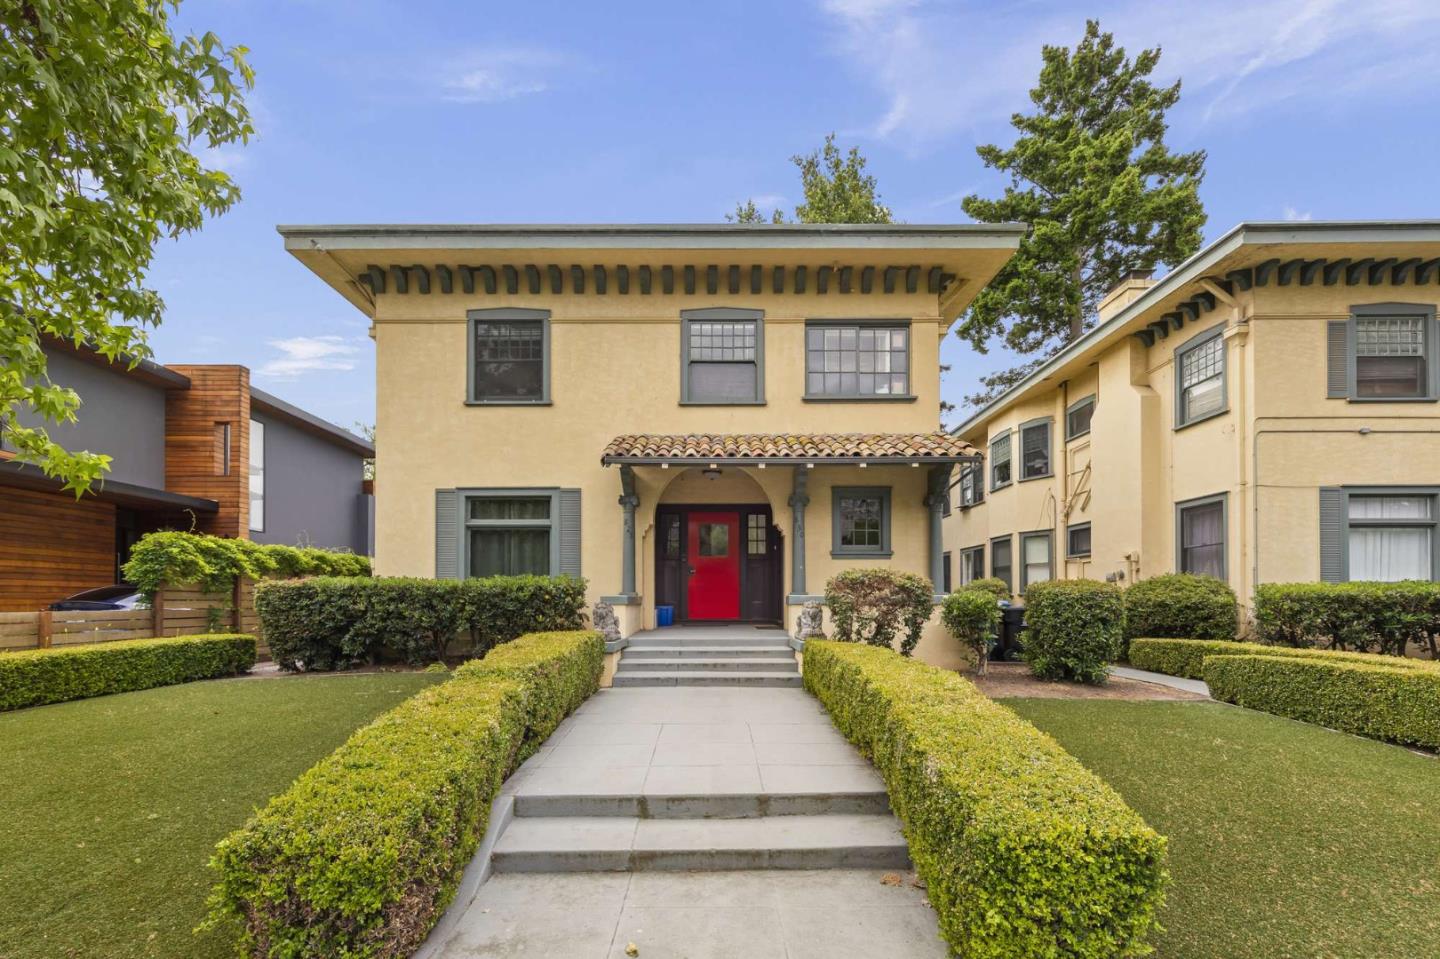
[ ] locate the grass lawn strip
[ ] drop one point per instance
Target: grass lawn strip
(1286, 840)
(114, 805)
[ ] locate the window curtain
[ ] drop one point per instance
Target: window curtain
(1203, 538)
(1037, 559)
(509, 552)
(1388, 554)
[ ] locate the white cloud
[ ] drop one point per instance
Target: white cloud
(1300, 216)
(941, 68)
(225, 158)
(308, 354)
(496, 75)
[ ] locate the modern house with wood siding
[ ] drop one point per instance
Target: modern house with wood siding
(708, 421)
(1265, 413)
(192, 447)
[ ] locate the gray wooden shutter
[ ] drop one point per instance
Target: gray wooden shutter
(1337, 356)
(447, 534)
(1332, 534)
(569, 532)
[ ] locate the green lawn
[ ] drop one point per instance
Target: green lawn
(1285, 840)
(112, 805)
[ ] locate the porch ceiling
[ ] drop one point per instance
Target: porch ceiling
(761, 448)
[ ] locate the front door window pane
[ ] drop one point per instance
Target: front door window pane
(509, 359)
(509, 552)
(714, 539)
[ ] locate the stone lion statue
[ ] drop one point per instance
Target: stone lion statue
(811, 622)
(606, 623)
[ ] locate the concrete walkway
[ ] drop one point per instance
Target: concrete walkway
(1160, 679)
(696, 822)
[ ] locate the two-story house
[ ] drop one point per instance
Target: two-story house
(191, 447)
(713, 418)
(1265, 413)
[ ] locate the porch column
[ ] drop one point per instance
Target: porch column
(939, 482)
(628, 502)
(799, 499)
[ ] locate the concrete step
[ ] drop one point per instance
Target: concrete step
(698, 677)
(860, 801)
(710, 652)
(771, 640)
(730, 663)
(617, 843)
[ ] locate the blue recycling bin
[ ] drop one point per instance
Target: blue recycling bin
(664, 615)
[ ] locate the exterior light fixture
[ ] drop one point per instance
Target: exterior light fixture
(711, 472)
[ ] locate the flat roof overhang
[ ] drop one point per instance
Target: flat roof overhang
(310, 423)
(22, 476)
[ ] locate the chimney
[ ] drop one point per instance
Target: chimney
(1125, 292)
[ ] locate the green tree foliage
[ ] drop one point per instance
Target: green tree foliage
(1104, 195)
(102, 110)
(836, 187)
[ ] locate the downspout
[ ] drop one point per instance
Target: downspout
(1062, 538)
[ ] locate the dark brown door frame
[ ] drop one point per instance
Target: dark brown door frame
(773, 564)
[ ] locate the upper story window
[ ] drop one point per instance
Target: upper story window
(722, 356)
(1000, 461)
(257, 476)
(1035, 449)
(1390, 357)
(509, 354)
(1078, 416)
(1200, 378)
(972, 484)
(857, 361)
(860, 520)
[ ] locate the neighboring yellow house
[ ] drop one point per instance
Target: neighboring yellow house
(711, 418)
(1265, 413)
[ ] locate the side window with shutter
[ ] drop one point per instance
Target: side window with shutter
(507, 532)
(1385, 352)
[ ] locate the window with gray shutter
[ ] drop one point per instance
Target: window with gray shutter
(1384, 352)
(507, 532)
(1337, 359)
(722, 356)
(569, 503)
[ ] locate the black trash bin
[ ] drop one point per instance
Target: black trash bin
(1012, 621)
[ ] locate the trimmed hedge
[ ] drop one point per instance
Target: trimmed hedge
(1073, 629)
(340, 622)
(990, 584)
(361, 855)
(214, 562)
(1362, 616)
(1024, 852)
(1383, 702)
(38, 676)
(1182, 606)
(1186, 657)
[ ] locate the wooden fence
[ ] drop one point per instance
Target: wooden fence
(177, 611)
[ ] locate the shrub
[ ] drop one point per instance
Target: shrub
(1180, 605)
(214, 562)
(1401, 704)
(1186, 657)
(872, 605)
(1023, 851)
(1073, 629)
(1380, 617)
(992, 585)
(971, 616)
(38, 676)
(337, 623)
(361, 855)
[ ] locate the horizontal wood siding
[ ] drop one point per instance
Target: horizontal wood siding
(51, 546)
(217, 394)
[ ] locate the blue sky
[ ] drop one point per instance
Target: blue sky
(371, 111)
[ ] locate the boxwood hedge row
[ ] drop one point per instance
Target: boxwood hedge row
(38, 676)
(1024, 852)
(1401, 705)
(1186, 657)
(361, 855)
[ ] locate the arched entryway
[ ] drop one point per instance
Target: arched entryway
(718, 552)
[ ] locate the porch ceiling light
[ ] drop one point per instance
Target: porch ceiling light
(711, 472)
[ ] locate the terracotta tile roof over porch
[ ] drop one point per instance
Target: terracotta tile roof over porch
(743, 448)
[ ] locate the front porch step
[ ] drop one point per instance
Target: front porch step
(771, 640)
(621, 843)
(731, 663)
(699, 677)
(775, 651)
(859, 799)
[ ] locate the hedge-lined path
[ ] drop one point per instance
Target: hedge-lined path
(691, 821)
(1194, 686)
(738, 655)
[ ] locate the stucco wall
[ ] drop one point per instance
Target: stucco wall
(312, 490)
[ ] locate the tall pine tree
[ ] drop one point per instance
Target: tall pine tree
(1104, 195)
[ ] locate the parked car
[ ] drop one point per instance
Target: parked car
(119, 596)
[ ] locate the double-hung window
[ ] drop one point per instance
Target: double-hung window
(1200, 536)
(722, 356)
(972, 484)
(1000, 461)
(509, 356)
(861, 360)
(1391, 357)
(1001, 562)
(1391, 535)
(1200, 378)
(1035, 449)
(1036, 558)
(860, 521)
(509, 534)
(972, 564)
(1078, 416)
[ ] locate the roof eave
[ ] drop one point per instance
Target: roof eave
(611, 460)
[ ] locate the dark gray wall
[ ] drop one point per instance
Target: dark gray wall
(119, 416)
(312, 491)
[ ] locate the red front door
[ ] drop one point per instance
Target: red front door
(714, 553)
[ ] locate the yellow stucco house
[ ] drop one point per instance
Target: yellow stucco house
(714, 419)
(1265, 413)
